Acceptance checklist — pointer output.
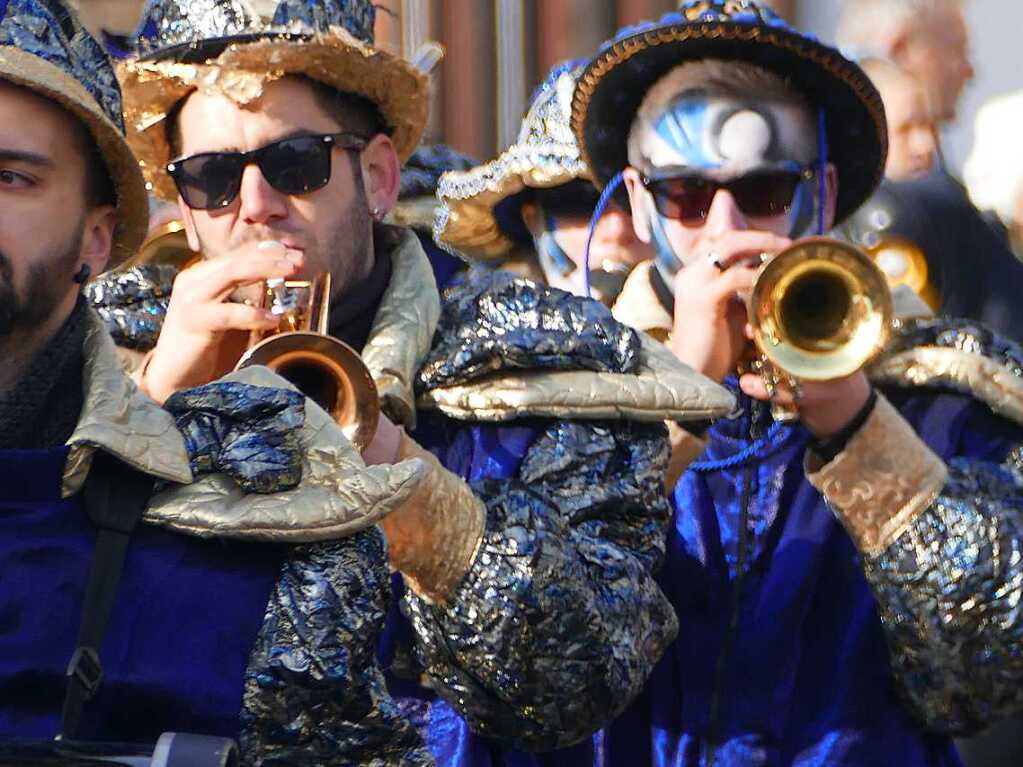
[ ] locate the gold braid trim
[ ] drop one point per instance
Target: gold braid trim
(883, 480)
(433, 537)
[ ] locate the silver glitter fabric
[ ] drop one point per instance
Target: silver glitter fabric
(498, 321)
(314, 693)
(558, 624)
(949, 591)
(45, 29)
(169, 24)
(246, 432)
(950, 588)
(959, 334)
(133, 303)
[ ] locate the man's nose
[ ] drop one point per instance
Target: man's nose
(260, 202)
(724, 215)
(924, 142)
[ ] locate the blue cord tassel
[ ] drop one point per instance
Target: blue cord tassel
(602, 203)
(758, 450)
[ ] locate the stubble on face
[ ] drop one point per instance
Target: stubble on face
(46, 287)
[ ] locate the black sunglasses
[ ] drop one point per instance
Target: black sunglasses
(761, 194)
(291, 166)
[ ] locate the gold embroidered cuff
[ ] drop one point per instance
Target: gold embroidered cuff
(685, 448)
(883, 480)
(433, 537)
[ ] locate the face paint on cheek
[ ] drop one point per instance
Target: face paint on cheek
(666, 259)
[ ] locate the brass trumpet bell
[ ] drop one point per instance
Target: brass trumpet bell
(820, 310)
(326, 370)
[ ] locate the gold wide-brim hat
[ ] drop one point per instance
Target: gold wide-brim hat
(58, 59)
(478, 215)
(235, 47)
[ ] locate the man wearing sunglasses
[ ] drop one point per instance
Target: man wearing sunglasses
(529, 208)
(847, 586)
(144, 562)
(525, 613)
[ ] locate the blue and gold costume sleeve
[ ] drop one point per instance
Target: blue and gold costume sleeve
(942, 540)
(556, 621)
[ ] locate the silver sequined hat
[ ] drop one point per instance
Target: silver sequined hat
(545, 155)
(234, 47)
(43, 47)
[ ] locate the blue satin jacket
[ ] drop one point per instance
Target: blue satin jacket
(795, 649)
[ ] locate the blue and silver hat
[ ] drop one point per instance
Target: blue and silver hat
(614, 83)
(44, 47)
(545, 155)
(234, 47)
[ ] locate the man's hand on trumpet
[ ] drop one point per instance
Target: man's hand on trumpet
(710, 311)
(204, 333)
(713, 335)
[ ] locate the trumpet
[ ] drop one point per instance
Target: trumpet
(328, 371)
(300, 350)
(821, 309)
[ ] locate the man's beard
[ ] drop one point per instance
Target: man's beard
(349, 247)
(46, 287)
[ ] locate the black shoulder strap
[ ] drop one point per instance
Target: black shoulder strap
(115, 497)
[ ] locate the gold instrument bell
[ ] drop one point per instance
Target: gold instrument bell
(821, 309)
(326, 370)
(903, 263)
(167, 244)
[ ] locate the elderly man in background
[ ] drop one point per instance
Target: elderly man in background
(926, 38)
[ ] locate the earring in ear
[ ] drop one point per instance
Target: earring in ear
(377, 214)
(82, 275)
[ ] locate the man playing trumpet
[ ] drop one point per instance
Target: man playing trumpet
(527, 554)
(847, 586)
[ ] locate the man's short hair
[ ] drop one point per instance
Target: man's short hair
(98, 185)
(869, 26)
(353, 113)
(716, 77)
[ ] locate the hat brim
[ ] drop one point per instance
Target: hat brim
(152, 86)
(50, 81)
(470, 222)
(613, 85)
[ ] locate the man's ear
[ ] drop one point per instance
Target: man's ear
(831, 196)
(381, 173)
(532, 219)
(98, 238)
(188, 219)
(638, 201)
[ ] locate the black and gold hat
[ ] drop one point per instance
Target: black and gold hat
(612, 87)
(44, 47)
(234, 47)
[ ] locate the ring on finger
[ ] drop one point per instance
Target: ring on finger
(715, 259)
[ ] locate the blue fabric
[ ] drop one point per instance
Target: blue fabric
(178, 640)
(805, 677)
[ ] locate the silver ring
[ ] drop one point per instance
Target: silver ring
(715, 259)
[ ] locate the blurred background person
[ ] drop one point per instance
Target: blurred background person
(926, 38)
(912, 132)
(994, 170)
(528, 209)
(916, 53)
